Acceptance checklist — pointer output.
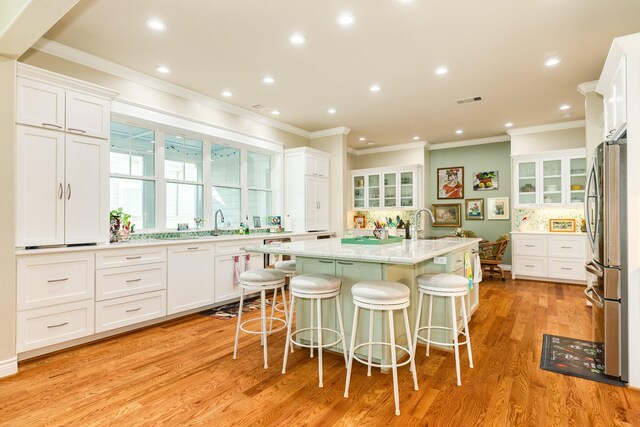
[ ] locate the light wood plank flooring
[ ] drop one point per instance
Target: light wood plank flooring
(182, 373)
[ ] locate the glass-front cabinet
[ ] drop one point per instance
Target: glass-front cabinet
(390, 189)
(374, 190)
(407, 180)
(550, 179)
(386, 188)
(358, 191)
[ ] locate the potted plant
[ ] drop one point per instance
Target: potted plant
(120, 225)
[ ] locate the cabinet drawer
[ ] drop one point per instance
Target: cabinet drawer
(124, 281)
(53, 279)
(530, 245)
(567, 247)
(51, 325)
(235, 247)
(567, 269)
(530, 266)
(457, 261)
(125, 311)
(134, 256)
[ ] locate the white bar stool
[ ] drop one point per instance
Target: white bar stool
(288, 267)
(315, 287)
(450, 286)
(262, 280)
(383, 296)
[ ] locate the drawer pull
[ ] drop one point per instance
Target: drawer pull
(325, 261)
(193, 248)
(57, 280)
(345, 263)
(51, 125)
(529, 265)
(134, 280)
(134, 257)
(76, 130)
(566, 268)
(530, 246)
(58, 325)
(133, 309)
(566, 247)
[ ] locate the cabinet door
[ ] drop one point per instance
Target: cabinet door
(322, 167)
(322, 213)
(526, 182)
(407, 189)
(87, 114)
(358, 192)
(552, 181)
(87, 174)
(390, 189)
(620, 95)
(39, 187)
(373, 190)
(576, 180)
(190, 277)
(311, 203)
(40, 104)
(225, 288)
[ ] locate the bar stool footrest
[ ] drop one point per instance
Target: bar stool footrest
(267, 319)
(378, 365)
(293, 338)
(419, 338)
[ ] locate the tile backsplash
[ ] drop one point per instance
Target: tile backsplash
(372, 216)
(538, 218)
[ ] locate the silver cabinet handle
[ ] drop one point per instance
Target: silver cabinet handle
(529, 265)
(134, 257)
(566, 247)
(345, 263)
(530, 246)
(325, 261)
(566, 268)
(57, 280)
(51, 125)
(58, 325)
(193, 248)
(68, 191)
(133, 309)
(133, 280)
(61, 190)
(76, 130)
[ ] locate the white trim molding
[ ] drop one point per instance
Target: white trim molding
(547, 128)
(83, 58)
(342, 130)
(8, 367)
(587, 87)
(468, 142)
(388, 148)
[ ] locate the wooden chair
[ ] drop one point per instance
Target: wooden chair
(491, 254)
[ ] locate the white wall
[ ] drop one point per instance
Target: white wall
(538, 142)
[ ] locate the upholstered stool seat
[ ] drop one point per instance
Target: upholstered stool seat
(261, 276)
(442, 282)
(315, 288)
(288, 266)
(380, 292)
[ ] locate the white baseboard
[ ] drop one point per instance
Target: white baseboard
(505, 267)
(8, 367)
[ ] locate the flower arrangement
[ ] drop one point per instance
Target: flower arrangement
(120, 225)
(458, 232)
(524, 224)
(199, 221)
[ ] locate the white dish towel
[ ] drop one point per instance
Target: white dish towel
(477, 269)
(236, 270)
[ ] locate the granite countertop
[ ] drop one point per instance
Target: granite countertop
(405, 252)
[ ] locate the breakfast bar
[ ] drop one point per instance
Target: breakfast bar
(395, 262)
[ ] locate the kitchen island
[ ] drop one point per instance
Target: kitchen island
(397, 262)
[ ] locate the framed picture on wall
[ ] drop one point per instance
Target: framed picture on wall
(483, 181)
(498, 208)
(446, 215)
(474, 209)
(451, 183)
(256, 222)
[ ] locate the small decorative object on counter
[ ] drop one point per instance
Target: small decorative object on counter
(183, 226)
(524, 224)
(199, 221)
(120, 226)
(583, 225)
(407, 230)
(458, 232)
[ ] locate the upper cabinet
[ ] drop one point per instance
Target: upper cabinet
(550, 179)
(615, 101)
(397, 187)
(316, 165)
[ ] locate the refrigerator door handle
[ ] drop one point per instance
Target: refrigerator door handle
(590, 294)
(592, 268)
(592, 180)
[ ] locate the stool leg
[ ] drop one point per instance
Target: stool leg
(410, 348)
(466, 332)
(417, 327)
(429, 322)
(370, 341)
(284, 304)
(263, 313)
(286, 344)
(291, 317)
(354, 329)
(454, 331)
(394, 368)
(311, 306)
(319, 303)
(235, 346)
(273, 308)
(341, 325)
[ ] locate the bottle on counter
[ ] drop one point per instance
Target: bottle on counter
(407, 230)
(246, 224)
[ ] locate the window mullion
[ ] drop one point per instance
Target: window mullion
(244, 182)
(161, 183)
(206, 180)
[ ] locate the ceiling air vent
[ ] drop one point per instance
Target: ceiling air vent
(469, 100)
(257, 106)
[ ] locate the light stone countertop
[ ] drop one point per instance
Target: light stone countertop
(405, 252)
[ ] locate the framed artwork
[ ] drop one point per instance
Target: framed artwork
(446, 215)
(273, 221)
(498, 208)
(451, 183)
(474, 209)
(256, 222)
(562, 225)
(359, 221)
(483, 181)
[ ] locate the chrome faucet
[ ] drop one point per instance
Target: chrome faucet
(215, 221)
(415, 221)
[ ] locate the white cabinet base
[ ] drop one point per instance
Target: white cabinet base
(125, 311)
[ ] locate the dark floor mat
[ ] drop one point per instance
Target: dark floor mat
(230, 311)
(579, 358)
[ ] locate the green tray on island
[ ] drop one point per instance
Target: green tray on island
(370, 240)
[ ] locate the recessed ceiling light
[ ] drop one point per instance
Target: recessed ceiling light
(374, 88)
(268, 79)
(508, 124)
(550, 62)
(346, 19)
(415, 138)
(565, 107)
(459, 131)
(371, 143)
(298, 38)
(227, 93)
(331, 111)
(362, 138)
(442, 70)
(275, 112)
(162, 69)
(156, 24)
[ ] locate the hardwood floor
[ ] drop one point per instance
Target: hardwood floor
(182, 373)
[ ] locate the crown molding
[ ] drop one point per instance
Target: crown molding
(547, 128)
(468, 142)
(83, 58)
(341, 130)
(388, 148)
(587, 87)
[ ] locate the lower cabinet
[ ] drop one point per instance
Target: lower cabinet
(125, 311)
(190, 277)
(551, 256)
(231, 261)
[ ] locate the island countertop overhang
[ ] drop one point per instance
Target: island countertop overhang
(408, 252)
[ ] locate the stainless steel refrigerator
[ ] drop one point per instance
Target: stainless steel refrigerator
(606, 220)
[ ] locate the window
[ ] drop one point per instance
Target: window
(183, 172)
(132, 168)
(259, 186)
(226, 193)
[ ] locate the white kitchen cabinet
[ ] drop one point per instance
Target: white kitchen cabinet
(40, 104)
(615, 101)
(62, 188)
(228, 256)
(87, 114)
(129, 310)
(190, 276)
(556, 178)
(306, 189)
(397, 187)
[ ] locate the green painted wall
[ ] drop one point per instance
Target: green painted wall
(475, 158)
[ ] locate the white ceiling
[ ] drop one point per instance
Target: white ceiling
(493, 48)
